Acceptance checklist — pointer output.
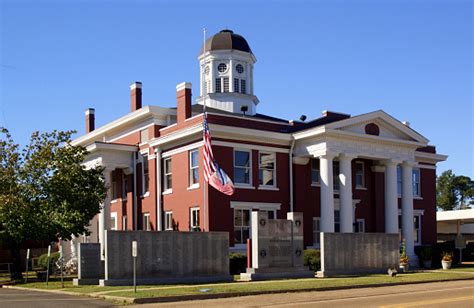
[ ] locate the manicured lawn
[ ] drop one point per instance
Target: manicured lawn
(248, 287)
(287, 285)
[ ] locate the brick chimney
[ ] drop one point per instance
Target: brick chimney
(90, 120)
(183, 97)
(135, 96)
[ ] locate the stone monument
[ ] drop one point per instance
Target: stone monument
(358, 253)
(277, 248)
(89, 266)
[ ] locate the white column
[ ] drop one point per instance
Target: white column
(104, 215)
(327, 193)
(231, 75)
(345, 194)
(407, 211)
(391, 197)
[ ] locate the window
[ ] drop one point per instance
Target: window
(193, 168)
(316, 231)
(243, 88)
(113, 185)
(241, 226)
(168, 183)
(416, 182)
(236, 85)
(359, 174)
(226, 84)
(242, 167)
(417, 229)
(146, 222)
(272, 214)
(124, 186)
(144, 135)
(335, 169)
(218, 85)
(113, 221)
(266, 169)
(359, 226)
(124, 223)
(239, 68)
(315, 171)
(337, 221)
(146, 177)
(169, 220)
(222, 67)
(194, 219)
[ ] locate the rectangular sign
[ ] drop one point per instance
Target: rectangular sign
(49, 251)
(134, 249)
(460, 242)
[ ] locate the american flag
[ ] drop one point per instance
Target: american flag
(213, 174)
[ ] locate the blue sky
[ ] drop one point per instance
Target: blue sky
(413, 59)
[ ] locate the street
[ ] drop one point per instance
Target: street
(441, 294)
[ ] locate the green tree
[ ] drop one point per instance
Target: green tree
(45, 191)
(453, 192)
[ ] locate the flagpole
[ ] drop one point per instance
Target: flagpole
(203, 132)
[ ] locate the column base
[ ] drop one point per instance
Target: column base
(413, 261)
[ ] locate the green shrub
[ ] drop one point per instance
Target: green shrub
(312, 258)
(237, 263)
(43, 261)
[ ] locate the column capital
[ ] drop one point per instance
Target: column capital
(391, 162)
(328, 155)
(347, 156)
(408, 163)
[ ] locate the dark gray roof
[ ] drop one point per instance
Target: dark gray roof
(227, 39)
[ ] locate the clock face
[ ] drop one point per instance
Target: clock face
(239, 68)
(206, 70)
(222, 67)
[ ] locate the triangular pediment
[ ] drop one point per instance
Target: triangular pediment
(378, 123)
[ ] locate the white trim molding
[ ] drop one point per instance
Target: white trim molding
(264, 206)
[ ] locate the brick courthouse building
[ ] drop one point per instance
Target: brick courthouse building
(365, 173)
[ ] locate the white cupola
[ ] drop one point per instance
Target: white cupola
(226, 66)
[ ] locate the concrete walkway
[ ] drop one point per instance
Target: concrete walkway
(30, 298)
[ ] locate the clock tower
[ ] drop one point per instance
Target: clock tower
(226, 73)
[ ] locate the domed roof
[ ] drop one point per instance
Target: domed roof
(227, 39)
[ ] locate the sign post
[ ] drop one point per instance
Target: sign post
(61, 262)
(27, 259)
(47, 267)
(134, 255)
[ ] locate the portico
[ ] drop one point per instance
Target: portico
(110, 157)
(388, 143)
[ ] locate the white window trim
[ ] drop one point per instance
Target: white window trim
(420, 213)
(240, 246)
(113, 215)
(124, 222)
(191, 210)
(244, 185)
(274, 171)
(142, 161)
(362, 220)
(419, 183)
(148, 226)
(241, 205)
(169, 223)
(363, 186)
(167, 190)
(190, 168)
